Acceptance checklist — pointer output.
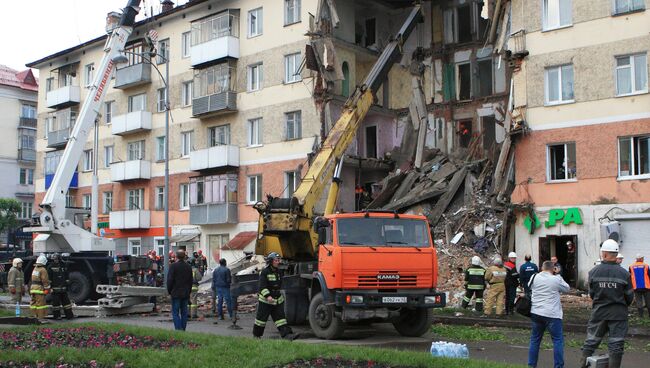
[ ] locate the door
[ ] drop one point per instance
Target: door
(371, 141)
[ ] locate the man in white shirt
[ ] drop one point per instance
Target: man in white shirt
(546, 313)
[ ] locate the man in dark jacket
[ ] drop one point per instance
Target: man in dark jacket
(474, 284)
(610, 288)
(526, 271)
(512, 282)
(59, 281)
(270, 299)
(179, 287)
(221, 280)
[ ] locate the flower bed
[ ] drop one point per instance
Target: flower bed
(83, 337)
(58, 364)
(335, 363)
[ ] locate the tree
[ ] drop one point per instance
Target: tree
(9, 210)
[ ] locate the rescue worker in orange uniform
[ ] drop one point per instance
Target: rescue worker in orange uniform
(640, 275)
(40, 288)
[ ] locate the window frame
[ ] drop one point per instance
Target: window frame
(254, 70)
(297, 60)
(108, 112)
(545, 21)
(131, 241)
(259, 190)
(615, 11)
(163, 51)
(547, 102)
(296, 122)
(187, 93)
(89, 74)
(160, 151)
(186, 44)
(107, 202)
(259, 29)
(212, 134)
(130, 205)
(633, 161)
(186, 143)
(161, 97)
(296, 182)
(184, 196)
(565, 163)
(159, 197)
(140, 150)
(26, 210)
(632, 67)
(86, 201)
(88, 160)
(133, 97)
(26, 176)
(108, 149)
(297, 15)
(255, 123)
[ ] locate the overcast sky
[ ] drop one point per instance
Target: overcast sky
(33, 29)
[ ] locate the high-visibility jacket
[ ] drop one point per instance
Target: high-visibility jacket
(16, 280)
(270, 284)
(475, 278)
(40, 280)
(640, 275)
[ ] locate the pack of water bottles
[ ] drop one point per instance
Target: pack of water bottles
(449, 350)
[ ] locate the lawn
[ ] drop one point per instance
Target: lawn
(226, 351)
(7, 313)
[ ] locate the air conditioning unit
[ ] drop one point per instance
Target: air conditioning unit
(611, 230)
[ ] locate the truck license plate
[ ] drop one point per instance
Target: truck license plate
(393, 299)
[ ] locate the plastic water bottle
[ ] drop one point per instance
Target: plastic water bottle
(17, 309)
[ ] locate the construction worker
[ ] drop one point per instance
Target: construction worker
(610, 289)
(60, 279)
(270, 299)
(194, 295)
(640, 275)
(495, 277)
(511, 282)
(526, 271)
(16, 281)
(474, 284)
(203, 262)
(39, 288)
(619, 259)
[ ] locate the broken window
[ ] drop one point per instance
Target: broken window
(485, 77)
(464, 133)
(371, 141)
(464, 23)
(464, 81)
(634, 156)
(489, 132)
(345, 84)
(483, 23)
(370, 32)
(561, 162)
(464, 17)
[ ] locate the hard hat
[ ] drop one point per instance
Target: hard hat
(498, 261)
(639, 256)
(620, 256)
(42, 260)
(16, 262)
(476, 261)
(272, 256)
(512, 255)
(609, 245)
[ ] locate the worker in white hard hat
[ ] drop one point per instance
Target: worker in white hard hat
(619, 259)
(40, 288)
(610, 288)
(474, 284)
(495, 277)
(511, 282)
(16, 281)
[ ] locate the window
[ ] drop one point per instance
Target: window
(291, 182)
(160, 198)
(69, 200)
(162, 99)
(255, 22)
(371, 32)
(28, 111)
(163, 51)
(27, 139)
(485, 77)
(631, 74)
(186, 43)
(135, 150)
(186, 143)
(559, 84)
(464, 23)
(49, 84)
(88, 160)
(255, 132)
(87, 201)
(219, 135)
(135, 199)
(186, 93)
(293, 125)
(88, 74)
(254, 189)
(138, 102)
(184, 190)
(634, 156)
(160, 148)
(214, 80)
(135, 247)
(561, 162)
(26, 210)
(626, 6)
(254, 77)
(108, 111)
(107, 203)
(557, 13)
(291, 11)
(464, 81)
(291, 65)
(108, 156)
(134, 52)
(223, 24)
(26, 176)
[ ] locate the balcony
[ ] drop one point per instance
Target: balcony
(214, 158)
(130, 170)
(133, 122)
(213, 213)
(132, 76)
(215, 38)
(26, 154)
(74, 182)
(130, 219)
(63, 97)
(58, 138)
(213, 104)
(29, 123)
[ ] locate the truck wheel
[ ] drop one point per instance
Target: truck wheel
(323, 321)
(414, 322)
(79, 288)
(296, 306)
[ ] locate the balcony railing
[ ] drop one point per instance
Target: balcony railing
(214, 157)
(62, 97)
(27, 123)
(222, 102)
(26, 154)
(58, 138)
(215, 38)
(136, 121)
(130, 170)
(130, 219)
(213, 213)
(133, 75)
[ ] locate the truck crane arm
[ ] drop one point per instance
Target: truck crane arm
(59, 233)
(285, 224)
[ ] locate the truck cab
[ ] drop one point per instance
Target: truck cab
(374, 266)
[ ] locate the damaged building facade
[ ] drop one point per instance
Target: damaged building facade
(582, 79)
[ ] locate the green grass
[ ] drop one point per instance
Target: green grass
(232, 352)
(468, 333)
(7, 313)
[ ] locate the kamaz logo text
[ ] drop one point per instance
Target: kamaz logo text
(388, 277)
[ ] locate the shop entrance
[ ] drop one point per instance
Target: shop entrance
(564, 248)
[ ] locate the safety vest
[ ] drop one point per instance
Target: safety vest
(475, 278)
(639, 274)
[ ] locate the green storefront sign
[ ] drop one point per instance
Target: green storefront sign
(565, 216)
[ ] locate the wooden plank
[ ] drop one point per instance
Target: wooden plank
(418, 110)
(443, 172)
(501, 163)
(406, 185)
(390, 185)
(446, 198)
